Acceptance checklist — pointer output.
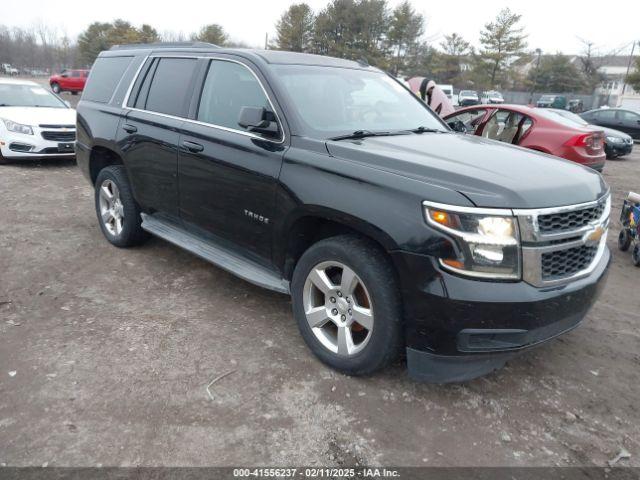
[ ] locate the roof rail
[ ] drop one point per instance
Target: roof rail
(132, 46)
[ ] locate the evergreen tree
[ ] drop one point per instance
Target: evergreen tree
(212, 33)
(502, 41)
(295, 29)
(405, 29)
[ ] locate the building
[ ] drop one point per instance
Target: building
(614, 70)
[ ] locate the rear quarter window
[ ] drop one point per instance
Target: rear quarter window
(105, 76)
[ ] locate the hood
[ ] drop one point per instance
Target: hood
(489, 173)
(39, 116)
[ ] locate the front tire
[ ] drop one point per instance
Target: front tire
(347, 304)
(636, 255)
(117, 211)
(55, 87)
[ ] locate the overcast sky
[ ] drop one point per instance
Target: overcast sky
(552, 25)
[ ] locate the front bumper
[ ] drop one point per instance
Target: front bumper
(618, 149)
(16, 146)
(458, 329)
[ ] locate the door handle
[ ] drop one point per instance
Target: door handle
(129, 128)
(192, 146)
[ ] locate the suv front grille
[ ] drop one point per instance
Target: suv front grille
(567, 221)
(564, 263)
(563, 243)
(59, 136)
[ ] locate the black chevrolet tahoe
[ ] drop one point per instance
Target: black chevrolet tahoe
(327, 180)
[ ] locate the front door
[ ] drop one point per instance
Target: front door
(628, 122)
(227, 175)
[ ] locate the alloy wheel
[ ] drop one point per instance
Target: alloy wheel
(111, 208)
(338, 308)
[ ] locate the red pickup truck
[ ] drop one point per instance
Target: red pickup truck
(69, 81)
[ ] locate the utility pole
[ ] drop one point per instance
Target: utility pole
(266, 41)
(626, 76)
(535, 77)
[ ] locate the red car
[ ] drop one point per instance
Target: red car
(69, 81)
(535, 128)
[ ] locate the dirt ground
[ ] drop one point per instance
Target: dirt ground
(106, 354)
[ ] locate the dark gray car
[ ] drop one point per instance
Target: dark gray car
(626, 121)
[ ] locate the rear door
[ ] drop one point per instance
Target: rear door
(149, 133)
(227, 174)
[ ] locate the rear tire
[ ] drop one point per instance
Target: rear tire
(55, 87)
(352, 321)
(624, 240)
(117, 211)
(636, 255)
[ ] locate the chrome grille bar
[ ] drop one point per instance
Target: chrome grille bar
(536, 242)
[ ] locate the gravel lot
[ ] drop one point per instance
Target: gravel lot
(105, 356)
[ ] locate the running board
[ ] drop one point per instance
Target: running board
(222, 257)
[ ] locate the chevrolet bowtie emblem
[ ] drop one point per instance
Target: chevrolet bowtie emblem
(594, 236)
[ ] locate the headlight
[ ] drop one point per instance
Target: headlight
(18, 128)
(486, 242)
(615, 139)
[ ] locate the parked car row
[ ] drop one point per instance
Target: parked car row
(470, 97)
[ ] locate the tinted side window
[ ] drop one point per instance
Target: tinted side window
(105, 75)
(142, 86)
(169, 88)
(605, 115)
(227, 88)
(628, 116)
(75, 73)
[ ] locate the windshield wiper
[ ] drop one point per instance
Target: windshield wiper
(426, 130)
(364, 134)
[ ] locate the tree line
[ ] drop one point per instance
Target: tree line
(393, 39)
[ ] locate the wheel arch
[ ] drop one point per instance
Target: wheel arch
(313, 224)
(101, 157)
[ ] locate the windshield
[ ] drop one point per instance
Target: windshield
(468, 93)
(16, 95)
(336, 101)
(547, 98)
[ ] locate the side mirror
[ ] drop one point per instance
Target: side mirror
(258, 119)
(458, 126)
(64, 75)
